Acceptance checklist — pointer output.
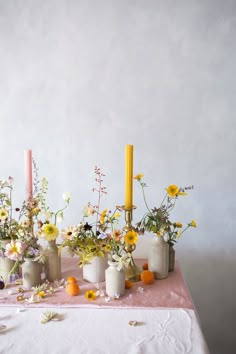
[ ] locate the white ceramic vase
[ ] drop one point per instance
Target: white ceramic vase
(94, 271)
(53, 262)
(158, 258)
(115, 280)
(6, 264)
(31, 273)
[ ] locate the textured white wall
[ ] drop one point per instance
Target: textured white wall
(80, 79)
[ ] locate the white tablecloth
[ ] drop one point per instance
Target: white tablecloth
(101, 331)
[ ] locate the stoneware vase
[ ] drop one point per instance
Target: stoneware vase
(171, 258)
(114, 280)
(94, 271)
(31, 273)
(53, 262)
(6, 264)
(158, 258)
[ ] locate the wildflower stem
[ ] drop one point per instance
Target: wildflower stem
(12, 271)
(144, 198)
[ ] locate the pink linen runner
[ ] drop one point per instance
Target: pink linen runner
(168, 293)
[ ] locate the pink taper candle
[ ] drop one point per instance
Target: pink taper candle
(28, 174)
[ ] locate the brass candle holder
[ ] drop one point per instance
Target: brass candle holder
(132, 271)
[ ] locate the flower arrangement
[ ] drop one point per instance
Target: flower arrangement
(21, 234)
(96, 234)
(47, 219)
(9, 227)
(157, 220)
(90, 238)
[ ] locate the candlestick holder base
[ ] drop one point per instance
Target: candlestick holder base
(132, 271)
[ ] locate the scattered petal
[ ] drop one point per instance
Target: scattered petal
(20, 310)
(49, 316)
(140, 289)
(20, 298)
(133, 323)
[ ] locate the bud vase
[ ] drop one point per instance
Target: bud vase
(94, 271)
(115, 280)
(158, 258)
(31, 273)
(171, 258)
(6, 264)
(53, 262)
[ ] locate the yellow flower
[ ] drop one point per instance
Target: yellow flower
(130, 237)
(3, 214)
(116, 215)
(161, 232)
(178, 224)
(177, 235)
(107, 248)
(139, 176)
(49, 232)
(90, 295)
(172, 190)
(102, 216)
(193, 224)
(182, 193)
(36, 211)
(40, 294)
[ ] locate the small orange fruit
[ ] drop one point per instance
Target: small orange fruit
(147, 277)
(71, 280)
(128, 284)
(72, 289)
(145, 266)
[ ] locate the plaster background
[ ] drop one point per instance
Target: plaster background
(80, 79)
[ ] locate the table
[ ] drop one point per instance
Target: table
(165, 324)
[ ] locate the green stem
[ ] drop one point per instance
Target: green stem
(59, 211)
(144, 198)
(12, 271)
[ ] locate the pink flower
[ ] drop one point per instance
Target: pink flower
(14, 250)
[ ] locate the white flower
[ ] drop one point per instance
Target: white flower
(102, 236)
(122, 261)
(69, 233)
(66, 197)
(47, 215)
(14, 250)
(60, 217)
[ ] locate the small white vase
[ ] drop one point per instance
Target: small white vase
(31, 273)
(158, 258)
(53, 262)
(6, 264)
(94, 271)
(115, 280)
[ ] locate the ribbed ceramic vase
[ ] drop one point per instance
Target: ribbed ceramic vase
(6, 264)
(158, 258)
(94, 272)
(53, 262)
(31, 273)
(114, 280)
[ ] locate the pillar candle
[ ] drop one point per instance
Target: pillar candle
(128, 177)
(28, 174)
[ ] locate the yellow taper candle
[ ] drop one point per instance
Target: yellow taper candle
(128, 177)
